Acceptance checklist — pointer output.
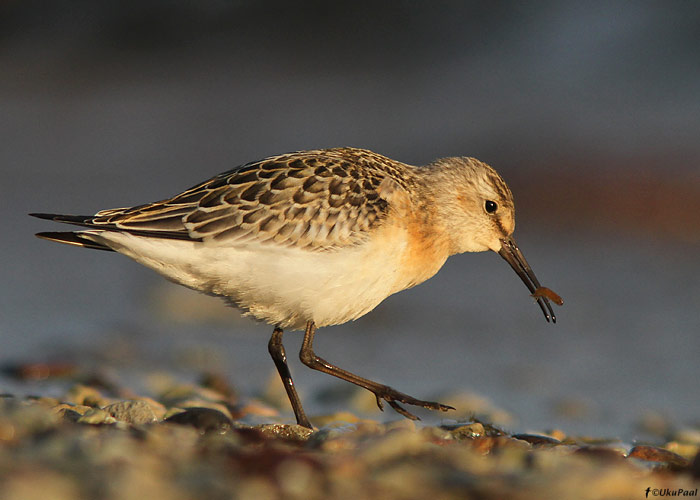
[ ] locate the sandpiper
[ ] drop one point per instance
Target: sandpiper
(316, 238)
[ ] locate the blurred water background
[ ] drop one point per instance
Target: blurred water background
(591, 111)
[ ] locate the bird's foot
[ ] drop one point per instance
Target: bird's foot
(394, 397)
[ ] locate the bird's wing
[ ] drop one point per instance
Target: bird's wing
(317, 200)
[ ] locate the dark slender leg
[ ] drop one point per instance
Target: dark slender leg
(276, 350)
(382, 392)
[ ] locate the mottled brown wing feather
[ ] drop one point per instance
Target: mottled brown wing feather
(316, 200)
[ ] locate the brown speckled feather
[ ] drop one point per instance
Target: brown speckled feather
(317, 200)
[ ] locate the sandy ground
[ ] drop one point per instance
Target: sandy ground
(98, 440)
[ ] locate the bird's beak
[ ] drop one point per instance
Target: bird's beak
(513, 256)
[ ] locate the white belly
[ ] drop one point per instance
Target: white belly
(282, 286)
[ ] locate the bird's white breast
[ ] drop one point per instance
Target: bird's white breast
(283, 286)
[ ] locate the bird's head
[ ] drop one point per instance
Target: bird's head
(475, 208)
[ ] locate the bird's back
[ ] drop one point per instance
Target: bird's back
(316, 200)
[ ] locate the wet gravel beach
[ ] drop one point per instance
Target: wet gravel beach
(200, 441)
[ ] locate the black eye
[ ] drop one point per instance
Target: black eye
(490, 206)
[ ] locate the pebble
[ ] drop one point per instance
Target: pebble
(603, 453)
(654, 454)
(537, 439)
(190, 396)
(685, 450)
(292, 433)
(469, 431)
(486, 445)
(96, 416)
(69, 412)
(390, 446)
(86, 396)
(175, 396)
(20, 419)
(688, 436)
(132, 412)
(437, 435)
(208, 455)
(203, 419)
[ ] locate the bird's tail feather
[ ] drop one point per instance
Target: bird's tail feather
(72, 238)
(78, 220)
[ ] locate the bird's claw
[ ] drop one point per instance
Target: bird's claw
(380, 402)
(393, 397)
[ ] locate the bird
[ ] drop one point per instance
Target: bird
(316, 238)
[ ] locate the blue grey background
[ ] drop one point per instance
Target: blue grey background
(591, 111)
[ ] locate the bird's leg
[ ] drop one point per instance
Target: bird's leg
(276, 350)
(381, 391)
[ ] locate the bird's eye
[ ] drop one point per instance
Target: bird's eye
(490, 206)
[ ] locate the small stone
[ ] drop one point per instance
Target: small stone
(557, 434)
(203, 419)
(22, 418)
(285, 432)
(590, 440)
(654, 454)
(469, 431)
(86, 395)
(175, 396)
(600, 452)
(331, 439)
(437, 435)
(69, 412)
(391, 446)
(403, 424)
(485, 445)
(190, 396)
(96, 416)
(61, 407)
(489, 430)
(132, 412)
(537, 439)
(158, 409)
(688, 436)
(683, 449)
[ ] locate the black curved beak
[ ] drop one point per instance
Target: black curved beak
(513, 256)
